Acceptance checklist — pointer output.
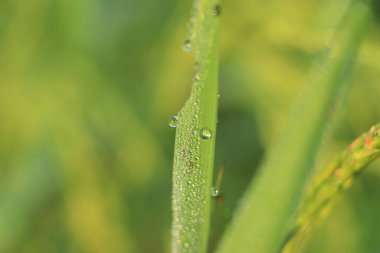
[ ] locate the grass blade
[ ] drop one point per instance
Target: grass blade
(262, 221)
(195, 134)
(328, 183)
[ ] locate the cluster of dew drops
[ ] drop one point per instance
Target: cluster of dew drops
(205, 133)
(187, 45)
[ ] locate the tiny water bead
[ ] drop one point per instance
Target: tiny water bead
(217, 10)
(173, 121)
(196, 77)
(214, 192)
(187, 47)
(206, 133)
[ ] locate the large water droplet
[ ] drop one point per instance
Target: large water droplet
(206, 133)
(187, 47)
(173, 121)
(217, 10)
(214, 192)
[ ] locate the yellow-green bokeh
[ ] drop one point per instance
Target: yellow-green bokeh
(86, 91)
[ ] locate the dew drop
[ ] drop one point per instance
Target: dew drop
(214, 192)
(187, 47)
(173, 121)
(206, 133)
(217, 10)
(196, 77)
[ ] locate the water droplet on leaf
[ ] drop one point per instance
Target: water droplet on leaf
(205, 133)
(196, 77)
(217, 10)
(173, 121)
(214, 192)
(187, 47)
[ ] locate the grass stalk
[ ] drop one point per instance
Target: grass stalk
(195, 134)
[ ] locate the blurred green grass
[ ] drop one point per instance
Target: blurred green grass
(86, 90)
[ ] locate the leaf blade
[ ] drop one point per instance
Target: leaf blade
(194, 151)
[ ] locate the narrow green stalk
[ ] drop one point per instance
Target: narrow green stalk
(329, 182)
(195, 134)
(267, 210)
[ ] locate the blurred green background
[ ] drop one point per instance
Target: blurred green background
(86, 90)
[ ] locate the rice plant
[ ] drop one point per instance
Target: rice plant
(263, 100)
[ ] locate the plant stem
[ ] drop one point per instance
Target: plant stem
(195, 135)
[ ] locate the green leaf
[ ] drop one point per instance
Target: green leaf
(263, 218)
(195, 134)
